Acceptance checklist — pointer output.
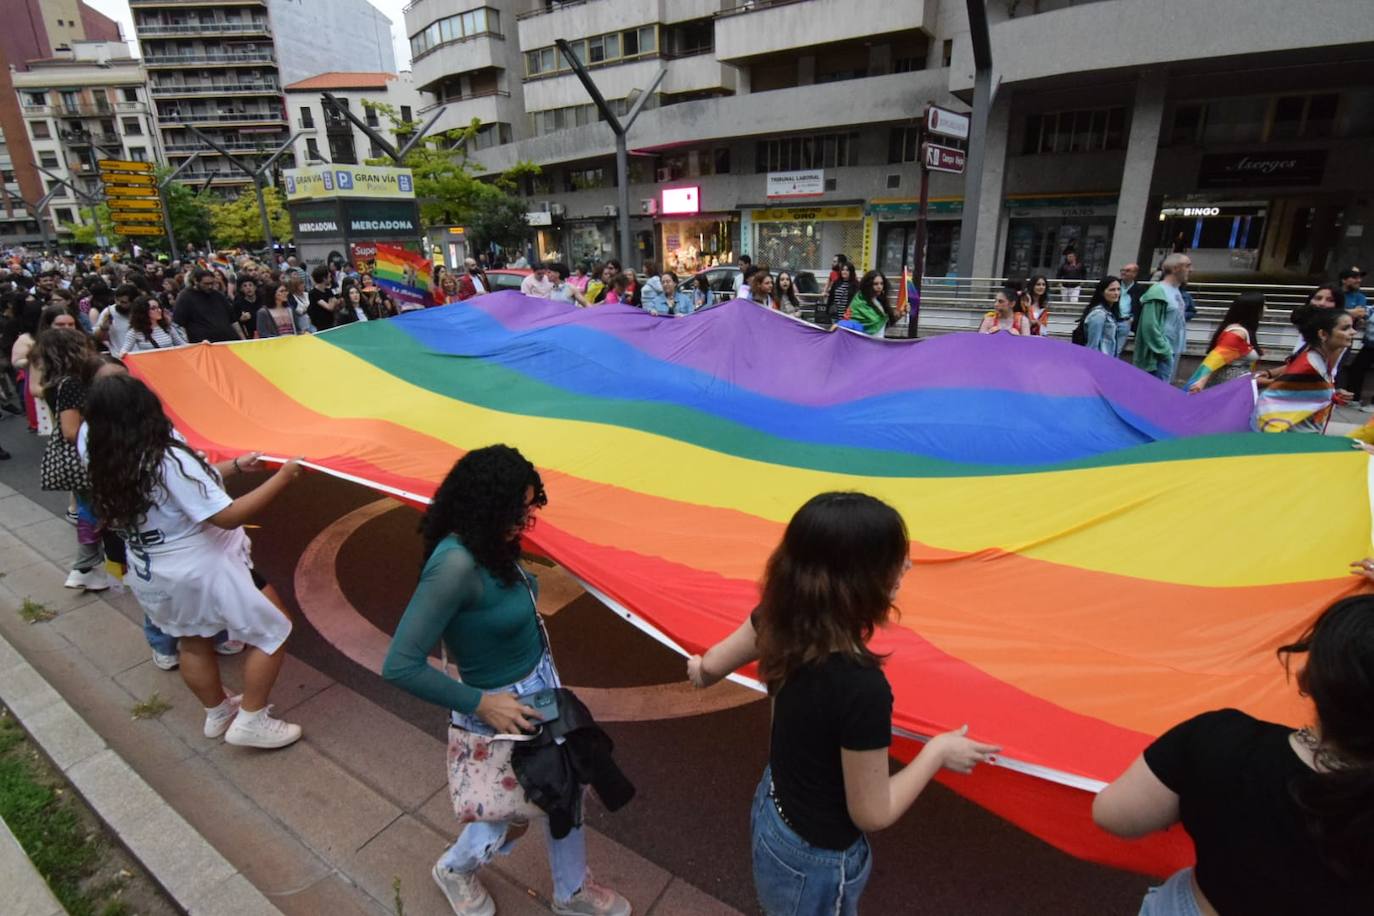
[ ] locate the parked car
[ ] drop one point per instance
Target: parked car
(507, 278)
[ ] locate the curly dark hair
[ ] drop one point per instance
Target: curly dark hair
(128, 435)
(828, 585)
(66, 353)
(482, 500)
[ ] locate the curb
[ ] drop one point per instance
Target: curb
(28, 893)
(188, 869)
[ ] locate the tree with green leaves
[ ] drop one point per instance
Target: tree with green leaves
(86, 233)
(188, 208)
(236, 223)
(448, 186)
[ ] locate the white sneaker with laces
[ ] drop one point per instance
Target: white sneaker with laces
(166, 662)
(464, 893)
(94, 579)
(229, 647)
(260, 729)
(593, 900)
(218, 720)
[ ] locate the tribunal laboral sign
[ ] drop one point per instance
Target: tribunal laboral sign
(328, 181)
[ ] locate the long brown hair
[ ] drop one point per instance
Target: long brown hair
(829, 584)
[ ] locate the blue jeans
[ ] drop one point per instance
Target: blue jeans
(794, 878)
(163, 644)
(1172, 898)
(481, 840)
(1123, 334)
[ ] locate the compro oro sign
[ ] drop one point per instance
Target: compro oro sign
(806, 183)
(325, 181)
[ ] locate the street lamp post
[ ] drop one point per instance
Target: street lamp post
(620, 129)
(258, 175)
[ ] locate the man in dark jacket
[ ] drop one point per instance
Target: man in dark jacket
(206, 313)
(1128, 309)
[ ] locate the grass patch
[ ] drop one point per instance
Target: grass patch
(35, 612)
(396, 902)
(150, 708)
(48, 825)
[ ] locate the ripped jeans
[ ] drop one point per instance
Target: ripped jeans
(481, 840)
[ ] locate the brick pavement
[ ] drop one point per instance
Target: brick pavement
(325, 826)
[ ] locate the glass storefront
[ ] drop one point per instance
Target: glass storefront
(897, 247)
(690, 246)
(807, 238)
(590, 242)
(1041, 229)
(1219, 236)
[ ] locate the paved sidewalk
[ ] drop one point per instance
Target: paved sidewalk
(346, 821)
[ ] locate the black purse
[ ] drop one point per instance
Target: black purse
(61, 467)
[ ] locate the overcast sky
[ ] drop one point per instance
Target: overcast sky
(119, 10)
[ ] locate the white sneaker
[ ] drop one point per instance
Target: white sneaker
(593, 900)
(465, 894)
(229, 647)
(94, 579)
(261, 731)
(217, 721)
(166, 662)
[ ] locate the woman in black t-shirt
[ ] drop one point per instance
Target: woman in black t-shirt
(828, 586)
(1283, 820)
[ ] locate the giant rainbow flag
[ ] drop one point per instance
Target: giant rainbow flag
(1097, 556)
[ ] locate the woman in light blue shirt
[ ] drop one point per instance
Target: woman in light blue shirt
(677, 302)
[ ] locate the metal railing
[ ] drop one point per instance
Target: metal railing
(210, 27)
(246, 146)
(949, 305)
(39, 110)
(214, 57)
(84, 138)
(191, 118)
(191, 89)
(545, 10)
(84, 110)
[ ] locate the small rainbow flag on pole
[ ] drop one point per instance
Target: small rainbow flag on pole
(908, 295)
(404, 274)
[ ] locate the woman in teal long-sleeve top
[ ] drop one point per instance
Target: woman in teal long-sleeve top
(475, 597)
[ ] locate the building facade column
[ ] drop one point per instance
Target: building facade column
(1142, 147)
(991, 188)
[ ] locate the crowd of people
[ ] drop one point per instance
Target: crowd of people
(1283, 819)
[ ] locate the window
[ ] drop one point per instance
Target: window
(56, 188)
(598, 49)
(947, 52)
(826, 151)
(64, 214)
(130, 94)
(684, 38)
(40, 130)
(904, 144)
(35, 98)
(307, 116)
(481, 21)
(370, 117)
(133, 127)
(312, 150)
(1088, 130)
(47, 160)
(1188, 124)
(1304, 116)
(585, 179)
(138, 154)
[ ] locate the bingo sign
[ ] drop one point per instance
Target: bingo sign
(805, 183)
(319, 181)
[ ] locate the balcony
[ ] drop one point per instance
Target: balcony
(221, 118)
(84, 110)
(541, 27)
(39, 111)
(246, 147)
(493, 107)
(781, 25)
(215, 178)
(209, 27)
(211, 58)
(445, 61)
(187, 4)
(214, 89)
(81, 138)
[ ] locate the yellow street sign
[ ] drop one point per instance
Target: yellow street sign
(132, 181)
(139, 204)
(140, 193)
(126, 229)
(124, 216)
(123, 165)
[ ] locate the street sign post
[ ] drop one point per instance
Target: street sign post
(125, 165)
(937, 158)
(132, 194)
(945, 123)
(137, 230)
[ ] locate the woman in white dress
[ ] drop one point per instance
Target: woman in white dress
(188, 556)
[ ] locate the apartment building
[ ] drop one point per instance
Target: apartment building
(35, 30)
(81, 105)
(219, 66)
(797, 125)
(326, 134)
